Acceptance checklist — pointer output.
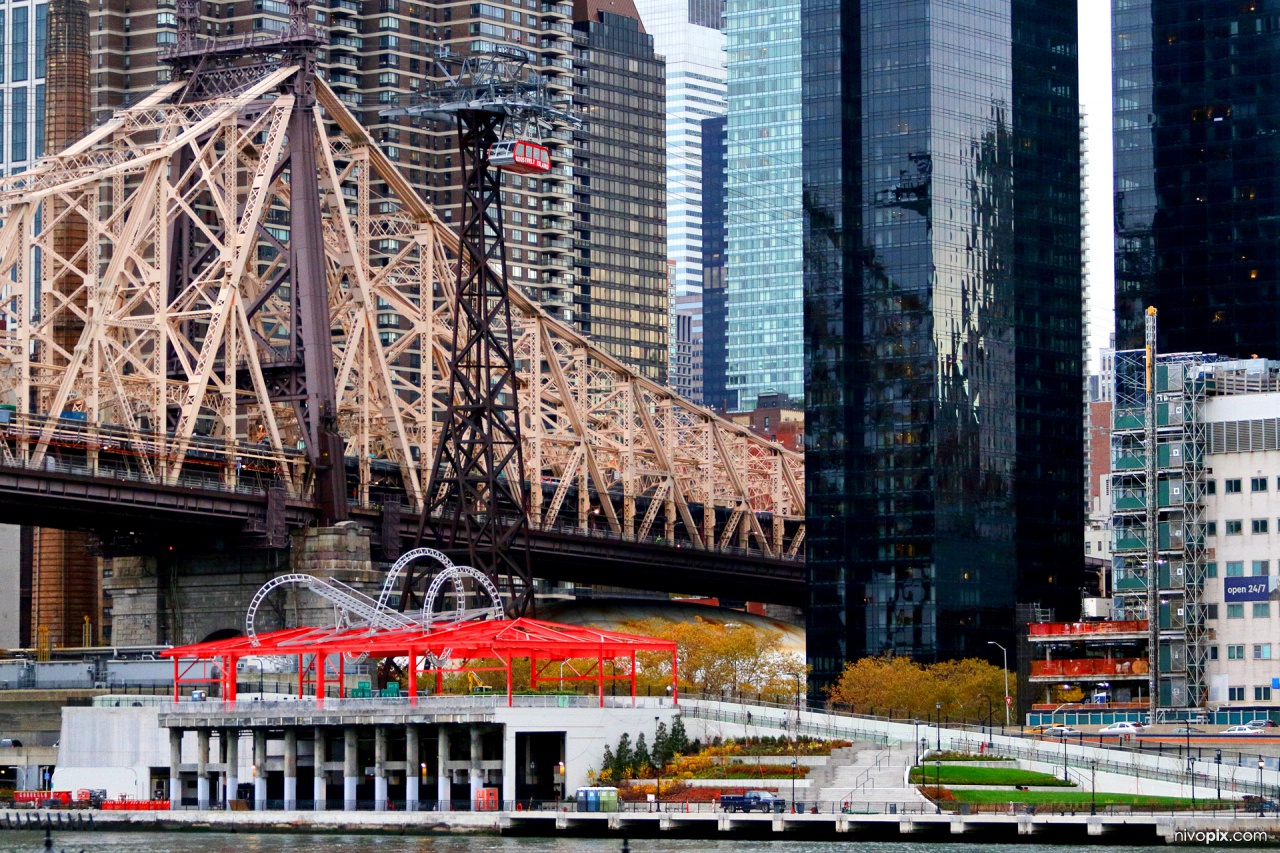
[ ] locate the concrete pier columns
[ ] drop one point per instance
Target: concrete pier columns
(350, 768)
(202, 768)
(175, 762)
(510, 763)
(412, 768)
(443, 794)
(231, 754)
(259, 770)
(290, 769)
(380, 768)
(319, 792)
(475, 768)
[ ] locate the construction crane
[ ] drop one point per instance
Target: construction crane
(476, 496)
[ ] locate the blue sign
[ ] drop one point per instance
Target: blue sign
(1249, 589)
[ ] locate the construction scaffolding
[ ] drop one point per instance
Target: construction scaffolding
(1158, 517)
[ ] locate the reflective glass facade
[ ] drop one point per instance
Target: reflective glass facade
(22, 67)
(763, 268)
(942, 290)
(1197, 149)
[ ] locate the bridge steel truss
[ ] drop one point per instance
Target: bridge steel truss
(183, 314)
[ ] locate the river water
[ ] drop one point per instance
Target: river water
(188, 842)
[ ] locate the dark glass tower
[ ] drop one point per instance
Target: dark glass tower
(942, 323)
(714, 309)
(1197, 165)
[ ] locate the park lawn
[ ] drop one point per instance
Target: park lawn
(952, 774)
(1076, 798)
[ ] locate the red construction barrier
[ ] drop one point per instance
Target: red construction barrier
(37, 797)
(127, 805)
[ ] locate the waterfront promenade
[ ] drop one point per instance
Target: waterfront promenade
(1136, 828)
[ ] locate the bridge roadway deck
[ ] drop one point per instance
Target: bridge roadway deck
(986, 827)
(185, 518)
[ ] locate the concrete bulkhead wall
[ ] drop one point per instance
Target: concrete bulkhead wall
(110, 748)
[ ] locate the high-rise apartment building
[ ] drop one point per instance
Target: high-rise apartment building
(383, 54)
(619, 172)
(23, 32)
(1197, 206)
(764, 266)
(688, 34)
(943, 324)
(712, 305)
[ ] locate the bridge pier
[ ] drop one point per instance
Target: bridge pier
(290, 769)
(411, 765)
(231, 755)
(350, 768)
(184, 597)
(175, 762)
(320, 793)
(202, 768)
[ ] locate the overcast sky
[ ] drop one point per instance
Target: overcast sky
(1095, 100)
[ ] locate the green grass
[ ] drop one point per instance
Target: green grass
(953, 774)
(1074, 798)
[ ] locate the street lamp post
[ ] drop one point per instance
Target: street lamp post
(937, 706)
(1005, 652)
(1093, 793)
(990, 714)
(1217, 759)
(917, 725)
(794, 762)
(1261, 794)
(937, 787)
(1191, 775)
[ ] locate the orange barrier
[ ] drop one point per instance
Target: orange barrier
(126, 805)
(1049, 629)
(1089, 666)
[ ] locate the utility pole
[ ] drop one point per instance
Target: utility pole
(1153, 525)
(477, 498)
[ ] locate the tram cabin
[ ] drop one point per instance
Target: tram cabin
(520, 156)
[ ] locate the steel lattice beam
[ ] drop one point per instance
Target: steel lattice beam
(181, 373)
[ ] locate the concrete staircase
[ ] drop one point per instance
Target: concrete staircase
(868, 778)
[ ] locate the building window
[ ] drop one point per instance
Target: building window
(1211, 611)
(18, 54)
(1258, 484)
(1235, 694)
(1261, 568)
(1210, 487)
(1235, 652)
(1262, 651)
(18, 121)
(1211, 528)
(1232, 487)
(1213, 653)
(1262, 694)
(1235, 611)
(1235, 568)
(1211, 570)
(1262, 610)
(1259, 525)
(1234, 527)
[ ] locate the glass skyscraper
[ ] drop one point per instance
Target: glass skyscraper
(1197, 152)
(687, 34)
(764, 267)
(22, 67)
(942, 287)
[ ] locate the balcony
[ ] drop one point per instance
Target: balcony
(1086, 668)
(344, 7)
(563, 10)
(344, 43)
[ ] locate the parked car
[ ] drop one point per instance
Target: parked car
(1188, 730)
(752, 801)
(1241, 730)
(9, 741)
(1040, 729)
(1062, 732)
(1122, 727)
(1261, 724)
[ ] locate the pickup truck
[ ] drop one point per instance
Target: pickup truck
(752, 801)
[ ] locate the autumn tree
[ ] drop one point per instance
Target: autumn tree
(899, 686)
(730, 657)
